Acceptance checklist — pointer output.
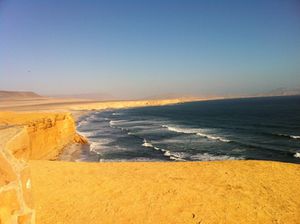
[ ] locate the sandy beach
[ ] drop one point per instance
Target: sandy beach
(133, 192)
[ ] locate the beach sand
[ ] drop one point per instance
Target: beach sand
(61, 104)
(182, 192)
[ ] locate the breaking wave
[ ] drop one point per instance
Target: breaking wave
(289, 136)
(181, 156)
(171, 155)
(297, 155)
(210, 157)
(114, 122)
(196, 132)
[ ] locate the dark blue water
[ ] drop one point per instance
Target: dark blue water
(256, 128)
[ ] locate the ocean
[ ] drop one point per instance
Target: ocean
(265, 128)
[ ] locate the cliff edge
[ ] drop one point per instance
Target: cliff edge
(25, 136)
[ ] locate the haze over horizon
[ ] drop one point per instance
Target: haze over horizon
(139, 49)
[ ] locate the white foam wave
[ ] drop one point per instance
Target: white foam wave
(114, 122)
(210, 157)
(86, 119)
(136, 159)
(172, 155)
(82, 122)
(86, 133)
(297, 155)
(196, 132)
(289, 136)
(94, 146)
(147, 144)
(213, 137)
(101, 144)
(181, 130)
(178, 156)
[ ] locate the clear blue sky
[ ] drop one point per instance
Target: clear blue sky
(141, 48)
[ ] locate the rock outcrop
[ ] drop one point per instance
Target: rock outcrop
(25, 136)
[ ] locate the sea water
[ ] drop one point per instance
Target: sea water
(265, 128)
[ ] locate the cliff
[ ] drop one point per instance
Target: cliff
(22, 137)
(37, 136)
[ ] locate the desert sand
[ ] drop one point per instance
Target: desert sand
(61, 104)
(182, 192)
(176, 192)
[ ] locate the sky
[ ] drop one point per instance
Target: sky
(135, 49)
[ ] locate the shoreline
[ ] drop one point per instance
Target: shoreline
(85, 115)
(75, 148)
(236, 191)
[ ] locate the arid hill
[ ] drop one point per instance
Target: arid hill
(17, 95)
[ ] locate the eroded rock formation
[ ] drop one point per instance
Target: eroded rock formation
(25, 136)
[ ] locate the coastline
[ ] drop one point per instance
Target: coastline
(129, 192)
(67, 154)
(130, 130)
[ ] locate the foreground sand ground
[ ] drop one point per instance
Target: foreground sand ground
(198, 192)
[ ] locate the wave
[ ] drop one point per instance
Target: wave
(177, 156)
(297, 155)
(116, 114)
(211, 157)
(289, 136)
(82, 122)
(136, 159)
(85, 119)
(94, 146)
(196, 132)
(102, 144)
(114, 122)
(86, 133)
(181, 130)
(147, 144)
(180, 156)
(213, 137)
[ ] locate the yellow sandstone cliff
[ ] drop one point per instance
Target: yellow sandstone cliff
(22, 137)
(38, 136)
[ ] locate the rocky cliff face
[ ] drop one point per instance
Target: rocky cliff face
(22, 137)
(47, 136)
(16, 204)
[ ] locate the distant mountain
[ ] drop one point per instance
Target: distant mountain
(283, 92)
(17, 95)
